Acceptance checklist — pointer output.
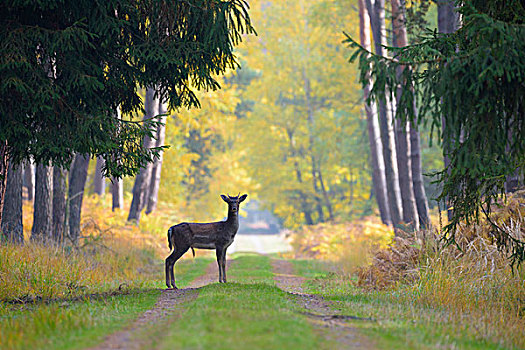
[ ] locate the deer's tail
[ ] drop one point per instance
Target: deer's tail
(169, 237)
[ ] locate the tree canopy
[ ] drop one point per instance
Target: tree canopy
(470, 85)
(66, 66)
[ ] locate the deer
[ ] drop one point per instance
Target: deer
(213, 235)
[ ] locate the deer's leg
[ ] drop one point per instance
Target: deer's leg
(218, 253)
(223, 263)
(170, 263)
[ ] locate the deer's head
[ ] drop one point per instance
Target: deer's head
(233, 202)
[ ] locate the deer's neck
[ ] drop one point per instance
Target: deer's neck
(233, 218)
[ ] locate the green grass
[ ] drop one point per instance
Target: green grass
(398, 325)
(78, 324)
(247, 313)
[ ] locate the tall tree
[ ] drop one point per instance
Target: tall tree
(153, 191)
(448, 22)
(77, 183)
(99, 181)
(374, 140)
(142, 180)
(417, 177)
(29, 179)
(403, 144)
(101, 52)
(59, 203)
(376, 11)
(117, 193)
(43, 205)
(12, 224)
(470, 83)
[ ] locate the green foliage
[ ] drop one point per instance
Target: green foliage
(469, 85)
(67, 66)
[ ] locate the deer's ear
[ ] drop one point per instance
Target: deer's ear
(242, 198)
(224, 198)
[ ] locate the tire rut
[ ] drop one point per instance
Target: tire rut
(170, 306)
(319, 311)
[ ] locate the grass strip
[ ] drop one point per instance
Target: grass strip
(250, 312)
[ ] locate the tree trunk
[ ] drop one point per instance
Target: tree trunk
(305, 208)
(59, 203)
(153, 192)
(325, 195)
(117, 193)
(448, 17)
(29, 179)
(417, 177)
(374, 140)
(77, 183)
(142, 180)
(4, 163)
(43, 206)
(448, 22)
(404, 162)
(377, 20)
(12, 224)
(99, 181)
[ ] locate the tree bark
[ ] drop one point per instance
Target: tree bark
(448, 17)
(153, 192)
(117, 193)
(377, 20)
(142, 180)
(99, 181)
(4, 164)
(12, 223)
(403, 146)
(326, 197)
(305, 208)
(43, 206)
(376, 148)
(77, 183)
(59, 204)
(417, 177)
(448, 22)
(29, 179)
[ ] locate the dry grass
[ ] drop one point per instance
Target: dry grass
(111, 254)
(349, 244)
(470, 288)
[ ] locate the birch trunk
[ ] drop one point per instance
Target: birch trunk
(376, 148)
(377, 21)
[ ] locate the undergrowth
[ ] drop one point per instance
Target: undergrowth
(470, 288)
(112, 254)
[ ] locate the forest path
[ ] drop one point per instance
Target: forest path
(170, 306)
(258, 281)
(259, 243)
(320, 311)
